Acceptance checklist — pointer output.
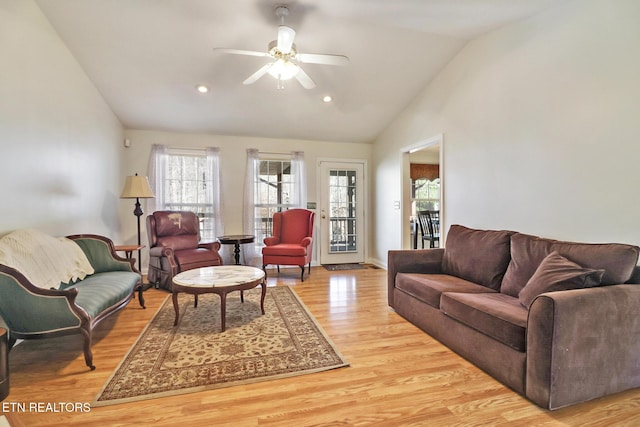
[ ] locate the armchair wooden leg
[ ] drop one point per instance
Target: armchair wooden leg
(302, 273)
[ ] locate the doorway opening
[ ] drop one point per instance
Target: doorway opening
(424, 193)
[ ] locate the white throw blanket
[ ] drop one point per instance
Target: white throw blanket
(45, 260)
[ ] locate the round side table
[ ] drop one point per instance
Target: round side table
(236, 240)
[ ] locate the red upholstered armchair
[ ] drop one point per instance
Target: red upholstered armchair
(292, 239)
(174, 246)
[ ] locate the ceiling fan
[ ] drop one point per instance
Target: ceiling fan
(286, 58)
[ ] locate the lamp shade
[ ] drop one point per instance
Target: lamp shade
(285, 38)
(283, 70)
(137, 187)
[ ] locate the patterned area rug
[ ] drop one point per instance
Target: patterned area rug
(196, 356)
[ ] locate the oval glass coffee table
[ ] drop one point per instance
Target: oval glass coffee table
(219, 280)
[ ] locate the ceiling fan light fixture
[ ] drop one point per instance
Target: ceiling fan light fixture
(285, 38)
(283, 70)
(286, 58)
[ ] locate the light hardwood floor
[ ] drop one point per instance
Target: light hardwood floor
(398, 375)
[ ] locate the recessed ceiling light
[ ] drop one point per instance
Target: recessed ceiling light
(327, 98)
(202, 88)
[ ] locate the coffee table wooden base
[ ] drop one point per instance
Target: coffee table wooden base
(222, 291)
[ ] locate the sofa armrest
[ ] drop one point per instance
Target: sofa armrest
(164, 252)
(101, 253)
(428, 261)
(30, 310)
(212, 246)
(583, 344)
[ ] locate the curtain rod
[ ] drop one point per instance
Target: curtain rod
(171, 147)
(204, 148)
(276, 152)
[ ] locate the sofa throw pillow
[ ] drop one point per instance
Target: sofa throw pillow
(557, 273)
(479, 256)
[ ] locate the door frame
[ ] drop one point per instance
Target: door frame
(405, 205)
(320, 225)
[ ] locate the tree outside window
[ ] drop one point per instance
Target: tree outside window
(425, 195)
(273, 193)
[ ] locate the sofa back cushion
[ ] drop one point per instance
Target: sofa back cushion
(527, 252)
(479, 256)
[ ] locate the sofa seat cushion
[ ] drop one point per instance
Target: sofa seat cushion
(527, 252)
(103, 290)
(429, 287)
(496, 315)
(480, 256)
(193, 258)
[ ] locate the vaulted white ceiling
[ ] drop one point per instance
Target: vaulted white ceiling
(147, 56)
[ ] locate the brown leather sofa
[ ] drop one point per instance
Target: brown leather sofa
(555, 321)
(174, 246)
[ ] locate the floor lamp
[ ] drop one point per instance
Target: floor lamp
(137, 187)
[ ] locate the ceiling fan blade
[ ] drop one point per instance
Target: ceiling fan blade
(285, 38)
(304, 79)
(239, 52)
(316, 58)
(255, 76)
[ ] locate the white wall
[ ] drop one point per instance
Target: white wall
(541, 124)
(59, 142)
(233, 154)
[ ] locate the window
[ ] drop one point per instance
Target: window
(273, 193)
(273, 183)
(188, 180)
(425, 195)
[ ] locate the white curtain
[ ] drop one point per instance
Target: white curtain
(157, 168)
(251, 254)
(299, 172)
(213, 194)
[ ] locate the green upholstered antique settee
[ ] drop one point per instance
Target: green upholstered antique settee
(53, 306)
(555, 321)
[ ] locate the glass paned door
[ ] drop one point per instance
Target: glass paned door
(341, 213)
